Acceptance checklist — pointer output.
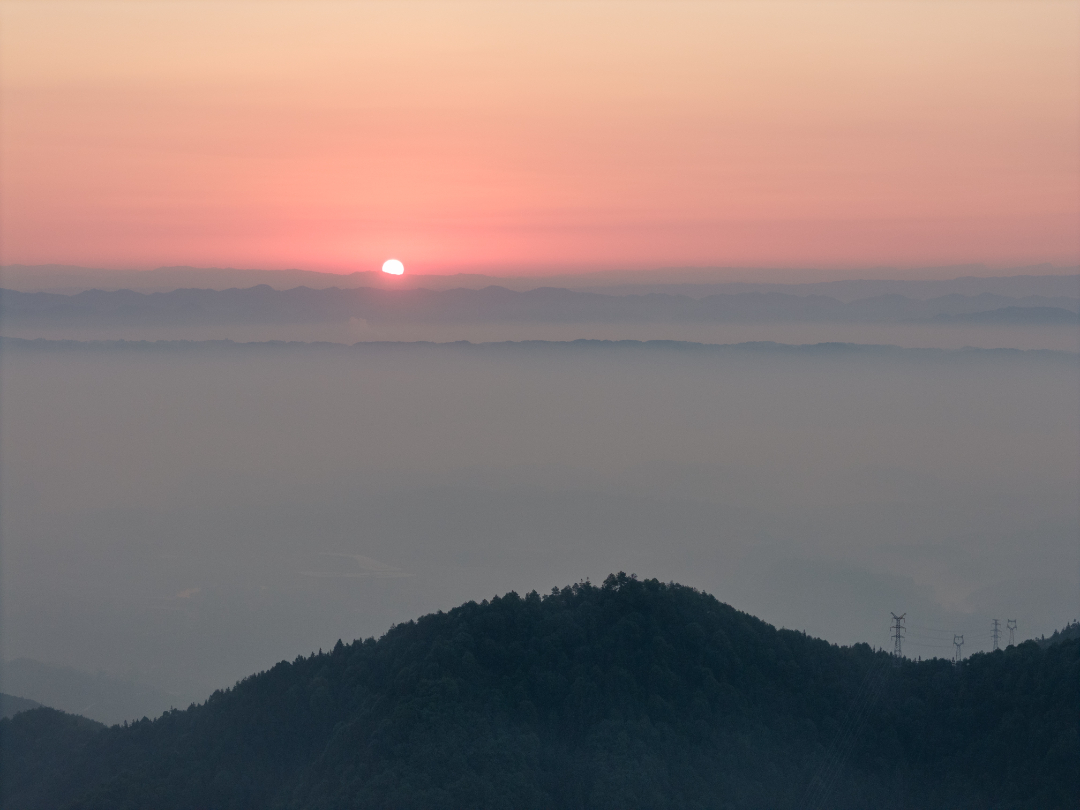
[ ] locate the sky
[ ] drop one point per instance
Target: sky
(532, 137)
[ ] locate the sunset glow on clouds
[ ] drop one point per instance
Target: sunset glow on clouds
(527, 136)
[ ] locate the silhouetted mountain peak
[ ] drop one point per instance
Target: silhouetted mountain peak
(630, 694)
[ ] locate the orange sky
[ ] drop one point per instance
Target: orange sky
(525, 137)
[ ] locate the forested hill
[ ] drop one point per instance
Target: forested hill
(632, 694)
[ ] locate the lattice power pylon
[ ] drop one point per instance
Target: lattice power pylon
(898, 633)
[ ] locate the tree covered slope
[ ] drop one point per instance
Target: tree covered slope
(632, 694)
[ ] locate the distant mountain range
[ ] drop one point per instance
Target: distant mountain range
(1014, 314)
(11, 705)
(264, 305)
(512, 348)
(99, 696)
(633, 694)
(693, 282)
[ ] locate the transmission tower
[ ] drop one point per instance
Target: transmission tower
(958, 642)
(995, 634)
(1011, 624)
(898, 632)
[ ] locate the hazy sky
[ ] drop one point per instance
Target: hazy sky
(540, 135)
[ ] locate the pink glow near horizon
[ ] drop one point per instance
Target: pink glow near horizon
(530, 137)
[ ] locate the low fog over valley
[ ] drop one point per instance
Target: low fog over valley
(180, 515)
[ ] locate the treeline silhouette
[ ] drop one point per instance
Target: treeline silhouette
(633, 694)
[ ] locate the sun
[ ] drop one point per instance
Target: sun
(393, 267)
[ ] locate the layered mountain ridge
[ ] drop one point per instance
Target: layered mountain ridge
(264, 305)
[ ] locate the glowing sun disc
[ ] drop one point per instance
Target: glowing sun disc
(393, 267)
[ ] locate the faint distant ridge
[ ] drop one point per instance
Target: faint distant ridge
(513, 347)
(1014, 315)
(1051, 282)
(693, 282)
(10, 705)
(497, 305)
(631, 694)
(99, 696)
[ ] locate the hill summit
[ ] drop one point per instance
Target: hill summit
(632, 694)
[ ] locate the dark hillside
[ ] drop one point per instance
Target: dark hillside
(633, 694)
(1071, 631)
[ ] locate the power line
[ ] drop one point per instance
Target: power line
(935, 629)
(934, 635)
(930, 647)
(943, 637)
